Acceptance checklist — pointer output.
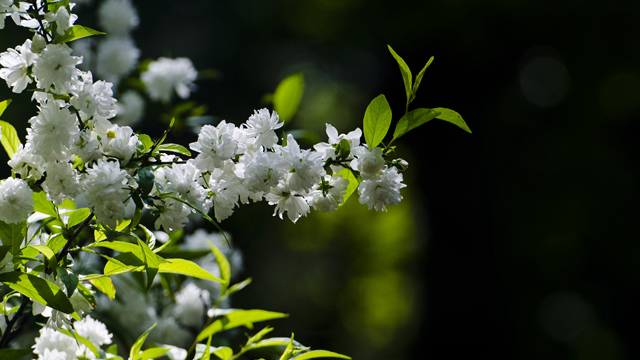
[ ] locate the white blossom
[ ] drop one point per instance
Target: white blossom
(93, 330)
(261, 125)
(52, 131)
(183, 180)
(16, 65)
(215, 145)
(27, 164)
(172, 215)
(166, 75)
(369, 162)
(16, 202)
(130, 108)
(285, 200)
(105, 190)
(383, 191)
(62, 182)
(94, 98)
(328, 199)
(304, 166)
(191, 305)
(117, 17)
(116, 56)
(51, 340)
(56, 67)
(120, 142)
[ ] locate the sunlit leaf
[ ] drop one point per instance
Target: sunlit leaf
(77, 32)
(105, 285)
(152, 261)
(135, 348)
(186, 267)
(153, 353)
(223, 265)
(3, 105)
(286, 98)
(38, 289)
(78, 216)
(174, 148)
(221, 352)
(10, 140)
(412, 120)
(353, 183)
(88, 295)
(41, 204)
(235, 318)
(419, 79)
(377, 119)
(406, 73)
(315, 354)
(452, 117)
(146, 141)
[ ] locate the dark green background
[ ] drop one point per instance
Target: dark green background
(516, 242)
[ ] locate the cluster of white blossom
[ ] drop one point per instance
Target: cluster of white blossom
(55, 345)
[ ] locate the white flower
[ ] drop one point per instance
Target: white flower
(172, 215)
(16, 201)
(93, 330)
(53, 130)
(215, 145)
(117, 17)
(94, 98)
(225, 189)
(130, 109)
(62, 18)
(183, 180)
(52, 340)
(304, 166)
(27, 164)
(369, 162)
(261, 125)
(285, 201)
(56, 67)
(120, 142)
(378, 193)
(16, 63)
(191, 304)
(116, 58)
(260, 171)
(86, 146)
(165, 75)
(105, 190)
(62, 182)
(332, 196)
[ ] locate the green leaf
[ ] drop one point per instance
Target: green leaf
(314, 354)
(55, 5)
(406, 73)
(164, 135)
(77, 32)
(223, 265)
(239, 286)
(15, 354)
(152, 261)
(236, 318)
(221, 352)
(56, 242)
(69, 279)
(377, 119)
(78, 216)
(105, 285)
(453, 117)
(186, 267)
(146, 177)
(353, 183)
(41, 204)
(153, 353)
(13, 234)
(87, 294)
(412, 120)
(288, 351)
(38, 289)
(49, 255)
(10, 140)
(259, 335)
(135, 348)
(174, 148)
(146, 141)
(3, 105)
(286, 98)
(419, 79)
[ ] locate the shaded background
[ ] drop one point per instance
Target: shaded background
(518, 241)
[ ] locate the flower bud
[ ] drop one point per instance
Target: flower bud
(38, 44)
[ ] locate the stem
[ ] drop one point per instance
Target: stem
(8, 331)
(65, 250)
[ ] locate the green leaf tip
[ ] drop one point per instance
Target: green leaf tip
(286, 98)
(406, 74)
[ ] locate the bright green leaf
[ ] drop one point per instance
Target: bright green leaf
(78, 216)
(152, 261)
(186, 267)
(406, 73)
(419, 79)
(146, 141)
(353, 183)
(38, 289)
(223, 265)
(239, 286)
(221, 352)
(286, 98)
(314, 354)
(87, 294)
(13, 234)
(135, 348)
(41, 204)
(77, 32)
(377, 119)
(3, 105)
(49, 255)
(10, 140)
(174, 148)
(153, 353)
(237, 318)
(81, 339)
(288, 351)
(412, 120)
(452, 117)
(105, 285)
